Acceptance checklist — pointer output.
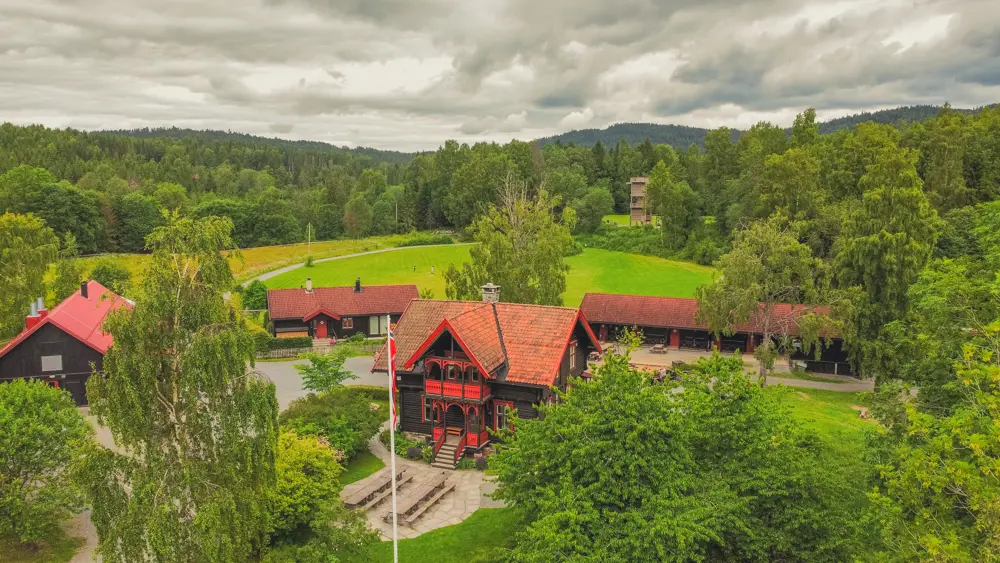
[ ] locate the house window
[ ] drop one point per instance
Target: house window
(473, 375)
(347, 322)
(428, 410)
(451, 373)
(376, 325)
(501, 420)
(52, 363)
(572, 355)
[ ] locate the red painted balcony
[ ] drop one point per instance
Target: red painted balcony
(456, 390)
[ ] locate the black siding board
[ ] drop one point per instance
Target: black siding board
(24, 361)
(410, 411)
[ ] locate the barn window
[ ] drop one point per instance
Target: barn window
(52, 363)
(347, 322)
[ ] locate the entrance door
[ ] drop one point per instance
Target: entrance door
(321, 328)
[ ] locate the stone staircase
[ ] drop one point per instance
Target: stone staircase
(445, 458)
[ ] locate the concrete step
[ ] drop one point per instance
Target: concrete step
(443, 465)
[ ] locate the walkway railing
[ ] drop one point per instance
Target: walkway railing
(461, 447)
(440, 441)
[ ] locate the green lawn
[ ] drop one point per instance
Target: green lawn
(623, 220)
(363, 465)
(594, 270)
(486, 529)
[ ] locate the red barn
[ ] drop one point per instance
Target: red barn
(65, 345)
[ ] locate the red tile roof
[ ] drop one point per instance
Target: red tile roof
(534, 339)
(673, 312)
(80, 317)
(340, 301)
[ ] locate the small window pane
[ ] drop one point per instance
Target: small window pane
(52, 363)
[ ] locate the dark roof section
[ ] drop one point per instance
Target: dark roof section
(340, 301)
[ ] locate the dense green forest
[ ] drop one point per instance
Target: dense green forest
(109, 190)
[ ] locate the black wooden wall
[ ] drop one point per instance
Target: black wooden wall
(24, 361)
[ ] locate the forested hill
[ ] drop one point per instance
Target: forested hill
(680, 136)
(377, 155)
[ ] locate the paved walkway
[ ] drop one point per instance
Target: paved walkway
(471, 488)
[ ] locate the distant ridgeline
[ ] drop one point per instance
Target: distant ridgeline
(377, 155)
(680, 137)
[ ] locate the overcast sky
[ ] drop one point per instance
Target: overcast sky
(408, 74)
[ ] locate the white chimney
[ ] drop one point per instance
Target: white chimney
(309, 285)
(491, 293)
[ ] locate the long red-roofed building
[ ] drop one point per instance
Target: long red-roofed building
(337, 312)
(461, 366)
(65, 345)
(672, 321)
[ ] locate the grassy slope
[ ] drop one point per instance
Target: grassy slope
(363, 465)
(486, 529)
(622, 220)
(593, 270)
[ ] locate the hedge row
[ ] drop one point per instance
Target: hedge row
(287, 343)
(426, 240)
(370, 392)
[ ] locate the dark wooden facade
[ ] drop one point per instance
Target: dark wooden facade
(435, 401)
(77, 361)
(335, 328)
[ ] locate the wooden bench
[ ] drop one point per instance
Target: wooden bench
(378, 489)
(421, 498)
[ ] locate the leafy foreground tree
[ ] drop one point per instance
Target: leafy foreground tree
(69, 272)
(521, 248)
(309, 522)
(324, 371)
(196, 431)
(27, 247)
(767, 267)
(708, 469)
(42, 436)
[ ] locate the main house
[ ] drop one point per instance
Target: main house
(336, 312)
(65, 345)
(672, 321)
(462, 365)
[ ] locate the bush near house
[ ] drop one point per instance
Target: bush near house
(346, 419)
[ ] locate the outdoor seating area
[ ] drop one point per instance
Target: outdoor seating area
(378, 490)
(417, 501)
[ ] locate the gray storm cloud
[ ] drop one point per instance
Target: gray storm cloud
(408, 74)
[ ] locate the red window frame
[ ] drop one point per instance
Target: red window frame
(510, 407)
(347, 322)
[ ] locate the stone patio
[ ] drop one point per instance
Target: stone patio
(471, 488)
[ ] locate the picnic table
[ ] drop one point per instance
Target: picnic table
(421, 498)
(378, 489)
(658, 349)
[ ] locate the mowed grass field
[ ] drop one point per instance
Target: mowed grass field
(623, 220)
(592, 271)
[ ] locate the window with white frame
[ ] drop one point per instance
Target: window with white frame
(52, 363)
(572, 355)
(501, 419)
(347, 322)
(428, 410)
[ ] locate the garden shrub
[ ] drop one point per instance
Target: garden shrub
(414, 452)
(345, 419)
(466, 463)
(261, 338)
(370, 392)
(403, 444)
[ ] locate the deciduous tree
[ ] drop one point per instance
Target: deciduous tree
(27, 247)
(324, 371)
(196, 430)
(69, 272)
(521, 248)
(42, 438)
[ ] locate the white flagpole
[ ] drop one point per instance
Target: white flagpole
(392, 440)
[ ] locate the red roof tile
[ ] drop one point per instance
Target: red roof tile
(535, 337)
(672, 312)
(340, 301)
(80, 317)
